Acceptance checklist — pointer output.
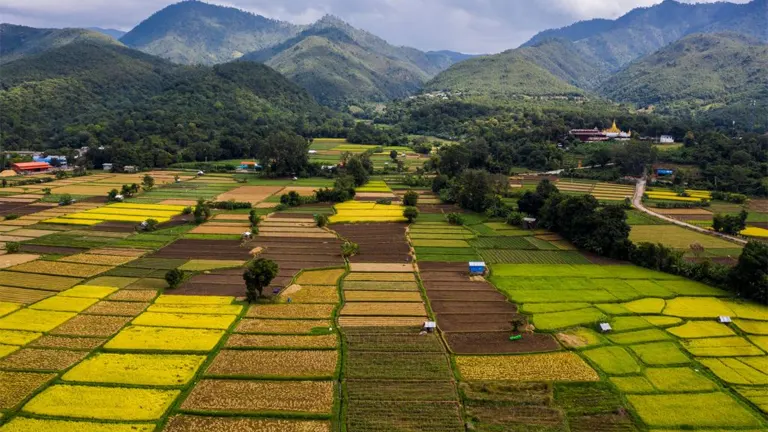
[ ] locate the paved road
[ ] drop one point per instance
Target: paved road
(637, 201)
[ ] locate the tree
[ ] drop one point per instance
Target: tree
(452, 160)
(750, 275)
(254, 218)
(349, 249)
(411, 213)
(12, 247)
(411, 198)
(65, 200)
(455, 219)
(635, 156)
(284, 154)
(174, 278)
(439, 183)
(148, 182)
(202, 211)
(258, 276)
(112, 195)
(356, 168)
(731, 225)
(473, 189)
(515, 219)
(321, 220)
(393, 155)
(150, 225)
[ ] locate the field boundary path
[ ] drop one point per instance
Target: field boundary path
(637, 201)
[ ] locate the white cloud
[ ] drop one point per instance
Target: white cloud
(474, 26)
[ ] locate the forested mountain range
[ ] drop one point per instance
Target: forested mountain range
(117, 34)
(91, 93)
(19, 41)
(675, 56)
(701, 71)
(334, 61)
(339, 64)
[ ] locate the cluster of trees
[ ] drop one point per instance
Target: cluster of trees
(730, 224)
(724, 164)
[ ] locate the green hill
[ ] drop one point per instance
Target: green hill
(339, 64)
(193, 32)
(699, 72)
(512, 73)
(19, 41)
(89, 93)
(643, 31)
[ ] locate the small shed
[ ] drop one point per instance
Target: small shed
(477, 268)
(663, 172)
(724, 319)
(529, 223)
(429, 326)
(605, 327)
(31, 167)
(129, 169)
(106, 167)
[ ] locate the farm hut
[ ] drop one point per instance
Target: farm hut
(31, 167)
(106, 167)
(529, 223)
(477, 268)
(605, 327)
(429, 326)
(724, 319)
(249, 166)
(129, 169)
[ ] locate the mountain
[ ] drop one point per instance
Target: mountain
(509, 74)
(19, 41)
(644, 31)
(193, 32)
(116, 34)
(339, 64)
(699, 72)
(101, 93)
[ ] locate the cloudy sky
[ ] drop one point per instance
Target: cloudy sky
(471, 26)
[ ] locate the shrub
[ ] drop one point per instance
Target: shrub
(187, 210)
(11, 216)
(174, 278)
(112, 195)
(12, 247)
(66, 200)
(411, 213)
(321, 220)
(281, 207)
(202, 211)
(148, 182)
(515, 219)
(439, 183)
(292, 199)
(254, 218)
(411, 198)
(258, 276)
(46, 191)
(150, 225)
(384, 201)
(129, 190)
(455, 219)
(230, 205)
(349, 249)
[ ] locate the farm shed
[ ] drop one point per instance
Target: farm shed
(31, 167)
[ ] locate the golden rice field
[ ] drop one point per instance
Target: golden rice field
(357, 211)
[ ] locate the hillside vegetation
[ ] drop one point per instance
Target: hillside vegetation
(19, 41)
(90, 93)
(706, 71)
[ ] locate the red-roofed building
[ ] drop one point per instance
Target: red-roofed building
(31, 167)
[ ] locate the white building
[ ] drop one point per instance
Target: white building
(667, 139)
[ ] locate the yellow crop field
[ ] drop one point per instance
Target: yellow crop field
(755, 232)
(320, 277)
(60, 268)
(357, 211)
(137, 369)
(165, 339)
(156, 319)
(64, 304)
(537, 367)
(13, 337)
(88, 291)
(105, 403)
(34, 320)
(23, 424)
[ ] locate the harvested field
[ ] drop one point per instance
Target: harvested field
(352, 285)
(395, 339)
(282, 311)
(380, 277)
(23, 296)
(382, 296)
(289, 396)
(251, 194)
(371, 416)
(380, 268)
(477, 323)
(121, 308)
(329, 341)
(60, 268)
(204, 249)
(274, 363)
(320, 277)
(41, 359)
(264, 326)
(353, 321)
(10, 260)
(185, 423)
(72, 343)
(396, 366)
(452, 307)
(134, 295)
(383, 309)
(17, 386)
